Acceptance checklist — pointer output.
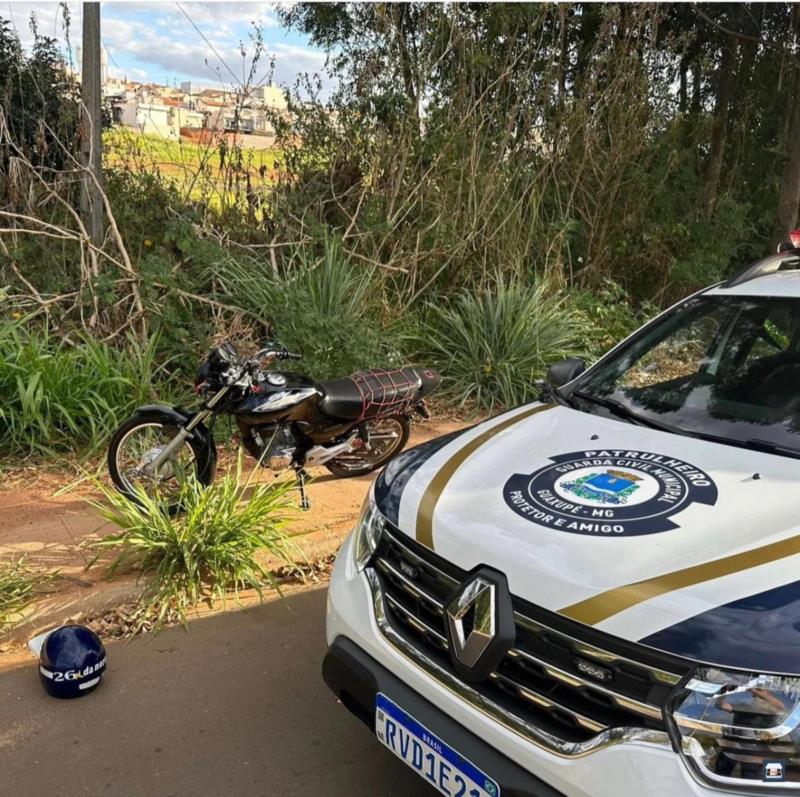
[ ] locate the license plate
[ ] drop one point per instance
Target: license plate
(429, 756)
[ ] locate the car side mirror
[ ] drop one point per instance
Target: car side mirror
(558, 374)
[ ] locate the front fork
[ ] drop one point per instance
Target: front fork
(184, 433)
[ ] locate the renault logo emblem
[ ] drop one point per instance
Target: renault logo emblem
(480, 624)
(472, 618)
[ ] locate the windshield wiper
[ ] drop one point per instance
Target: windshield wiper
(623, 411)
(562, 398)
(770, 448)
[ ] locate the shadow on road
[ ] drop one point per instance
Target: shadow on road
(234, 706)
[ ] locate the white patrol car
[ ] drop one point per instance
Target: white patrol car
(597, 594)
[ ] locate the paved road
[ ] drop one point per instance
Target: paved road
(235, 706)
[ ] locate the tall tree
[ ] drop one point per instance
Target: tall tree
(719, 124)
(789, 197)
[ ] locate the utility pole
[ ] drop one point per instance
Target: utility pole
(92, 123)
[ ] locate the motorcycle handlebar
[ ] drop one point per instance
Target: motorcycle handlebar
(278, 354)
(246, 373)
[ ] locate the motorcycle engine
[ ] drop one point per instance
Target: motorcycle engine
(276, 446)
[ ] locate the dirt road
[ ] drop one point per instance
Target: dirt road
(235, 706)
(50, 528)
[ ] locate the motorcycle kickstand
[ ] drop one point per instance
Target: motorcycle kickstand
(301, 475)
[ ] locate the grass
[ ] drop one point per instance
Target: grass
(58, 398)
(325, 307)
(493, 345)
(196, 169)
(17, 588)
(205, 553)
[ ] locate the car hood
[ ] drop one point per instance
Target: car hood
(687, 546)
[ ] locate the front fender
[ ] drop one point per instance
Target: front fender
(205, 447)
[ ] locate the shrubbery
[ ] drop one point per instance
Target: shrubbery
(492, 345)
(322, 305)
(607, 316)
(59, 396)
(206, 552)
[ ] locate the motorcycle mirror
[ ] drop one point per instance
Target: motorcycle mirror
(560, 373)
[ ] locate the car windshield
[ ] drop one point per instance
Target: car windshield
(722, 366)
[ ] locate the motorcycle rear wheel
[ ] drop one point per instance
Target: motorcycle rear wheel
(387, 437)
(135, 443)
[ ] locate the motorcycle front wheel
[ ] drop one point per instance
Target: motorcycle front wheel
(387, 438)
(135, 444)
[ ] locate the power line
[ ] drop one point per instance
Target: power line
(211, 46)
(109, 54)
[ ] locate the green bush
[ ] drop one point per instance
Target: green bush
(325, 308)
(492, 345)
(609, 316)
(57, 397)
(203, 553)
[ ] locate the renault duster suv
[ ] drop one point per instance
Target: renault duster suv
(597, 593)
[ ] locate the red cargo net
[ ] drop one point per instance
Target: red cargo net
(385, 393)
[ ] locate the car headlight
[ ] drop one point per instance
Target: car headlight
(738, 730)
(367, 533)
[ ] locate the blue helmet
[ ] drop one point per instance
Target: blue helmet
(72, 661)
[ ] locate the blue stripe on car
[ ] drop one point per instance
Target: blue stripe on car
(745, 633)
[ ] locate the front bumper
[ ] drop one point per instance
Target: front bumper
(356, 678)
(622, 767)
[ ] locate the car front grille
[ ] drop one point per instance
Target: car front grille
(538, 686)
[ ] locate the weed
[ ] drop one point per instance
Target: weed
(57, 398)
(206, 552)
(324, 307)
(492, 346)
(17, 588)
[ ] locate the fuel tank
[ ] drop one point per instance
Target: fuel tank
(279, 396)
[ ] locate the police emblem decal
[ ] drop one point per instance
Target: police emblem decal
(613, 493)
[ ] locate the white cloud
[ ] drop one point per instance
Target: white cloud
(155, 40)
(48, 16)
(231, 14)
(186, 57)
(292, 60)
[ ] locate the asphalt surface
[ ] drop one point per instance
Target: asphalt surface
(233, 706)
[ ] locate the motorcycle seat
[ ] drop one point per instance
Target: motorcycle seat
(376, 393)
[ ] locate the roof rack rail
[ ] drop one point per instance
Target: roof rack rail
(767, 265)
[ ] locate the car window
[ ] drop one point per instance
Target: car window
(680, 355)
(727, 366)
(774, 335)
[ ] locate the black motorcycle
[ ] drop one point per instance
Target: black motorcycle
(352, 425)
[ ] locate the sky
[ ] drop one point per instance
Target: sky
(171, 42)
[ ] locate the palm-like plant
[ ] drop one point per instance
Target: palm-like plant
(207, 553)
(494, 344)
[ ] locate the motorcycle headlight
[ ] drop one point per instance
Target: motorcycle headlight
(738, 730)
(367, 533)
